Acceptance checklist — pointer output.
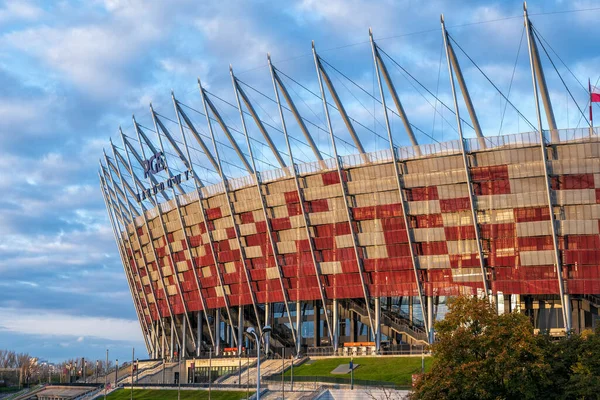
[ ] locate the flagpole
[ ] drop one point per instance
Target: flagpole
(591, 115)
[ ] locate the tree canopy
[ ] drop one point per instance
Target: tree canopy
(482, 355)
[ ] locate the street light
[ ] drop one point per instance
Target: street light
(252, 331)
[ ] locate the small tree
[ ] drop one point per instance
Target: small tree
(584, 382)
(482, 355)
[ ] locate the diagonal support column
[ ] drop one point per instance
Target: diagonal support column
(300, 192)
(140, 160)
(115, 198)
(125, 220)
(154, 252)
(138, 184)
(230, 205)
(323, 76)
(226, 130)
(263, 204)
(288, 99)
(344, 190)
(133, 225)
(564, 296)
(170, 253)
(378, 63)
(257, 120)
(453, 61)
(392, 90)
(158, 124)
(538, 71)
(141, 135)
(195, 133)
(484, 273)
(131, 282)
(180, 217)
(188, 162)
(126, 186)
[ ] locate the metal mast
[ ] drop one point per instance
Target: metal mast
(564, 297)
(323, 76)
(484, 275)
(378, 68)
(299, 189)
(345, 195)
(453, 61)
(538, 71)
(309, 139)
(157, 123)
(205, 103)
(258, 181)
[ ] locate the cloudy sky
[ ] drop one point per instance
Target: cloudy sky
(72, 72)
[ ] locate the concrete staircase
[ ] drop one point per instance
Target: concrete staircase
(411, 333)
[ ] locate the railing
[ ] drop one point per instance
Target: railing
(402, 325)
(276, 174)
(213, 190)
(241, 182)
(516, 140)
(320, 351)
(335, 380)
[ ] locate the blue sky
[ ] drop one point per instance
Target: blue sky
(72, 72)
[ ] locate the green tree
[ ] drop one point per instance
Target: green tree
(482, 355)
(584, 382)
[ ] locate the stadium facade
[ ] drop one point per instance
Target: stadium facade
(346, 250)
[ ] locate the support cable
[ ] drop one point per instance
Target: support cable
(511, 80)
(539, 35)
(492, 83)
(229, 126)
(376, 100)
(560, 76)
(424, 87)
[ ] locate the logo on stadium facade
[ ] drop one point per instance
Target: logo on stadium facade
(155, 164)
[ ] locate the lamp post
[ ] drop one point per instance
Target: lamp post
(252, 331)
(116, 371)
(106, 375)
(352, 373)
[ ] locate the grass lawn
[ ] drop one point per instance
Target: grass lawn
(9, 389)
(150, 394)
(397, 370)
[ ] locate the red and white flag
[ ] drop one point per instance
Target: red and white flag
(594, 94)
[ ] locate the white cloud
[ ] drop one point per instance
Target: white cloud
(19, 10)
(95, 55)
(42, 322)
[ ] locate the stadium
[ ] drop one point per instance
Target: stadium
(350, 251)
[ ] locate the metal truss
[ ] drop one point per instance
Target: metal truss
(484, 273)
(300, 192)
(133, 224)
(154, 253)
(380, 70)
(157, 123)
(206, 103)
(139, 309)
(188, 162)
(168, 243)
(533, 60)
(345, 194)
(258, 181)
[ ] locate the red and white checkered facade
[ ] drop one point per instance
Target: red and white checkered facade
(512, 218)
